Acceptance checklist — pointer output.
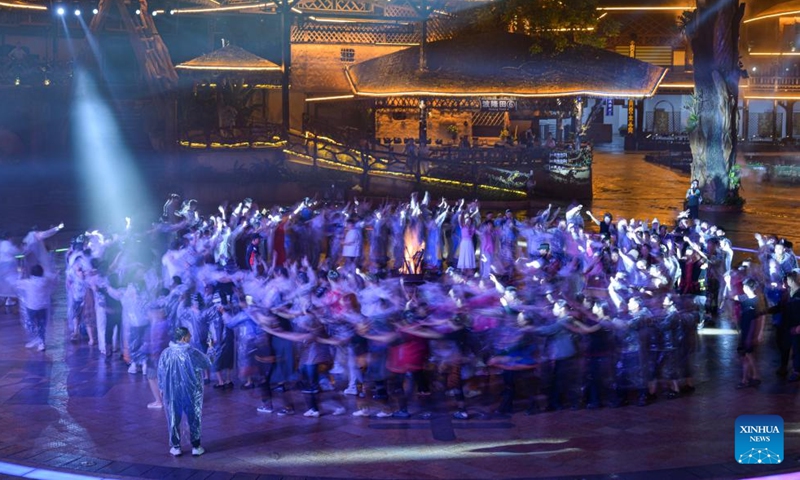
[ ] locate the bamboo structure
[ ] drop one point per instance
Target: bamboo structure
(148, 47)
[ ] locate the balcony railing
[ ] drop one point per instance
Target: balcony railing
(783, 83)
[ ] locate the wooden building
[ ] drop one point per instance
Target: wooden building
(459, 80)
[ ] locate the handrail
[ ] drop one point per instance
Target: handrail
(774, 81)
(488, 168)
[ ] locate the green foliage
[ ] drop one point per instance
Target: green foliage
(734, 177)
(693, 107)
(239, 95)
(686, 22)
(555, 24)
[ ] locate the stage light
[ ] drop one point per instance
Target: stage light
(109, 172)
(155, 13)
(60, 11)
(138, 12)
(77, 12)
(46, 82)
(95, 11)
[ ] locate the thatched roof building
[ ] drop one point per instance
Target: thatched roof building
(502, 64)
(230, 58)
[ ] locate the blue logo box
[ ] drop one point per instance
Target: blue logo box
(759, 439)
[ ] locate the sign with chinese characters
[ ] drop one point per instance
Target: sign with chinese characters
(609, 107)
(631, 104)
(631, 116)
(498, 104)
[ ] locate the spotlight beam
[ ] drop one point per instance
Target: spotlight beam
(111, 180)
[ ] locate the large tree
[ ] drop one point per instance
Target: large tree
(713, 30)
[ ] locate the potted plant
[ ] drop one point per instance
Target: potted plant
(453, 131)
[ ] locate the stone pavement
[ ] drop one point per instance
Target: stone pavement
(69, 409)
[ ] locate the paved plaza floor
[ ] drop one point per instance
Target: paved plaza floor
(69, 409)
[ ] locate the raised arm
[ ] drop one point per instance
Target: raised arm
(48, 233)
(593, 218)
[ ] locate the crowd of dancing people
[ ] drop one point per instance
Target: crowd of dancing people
(402, 304)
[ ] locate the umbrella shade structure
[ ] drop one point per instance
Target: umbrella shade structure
(502, 64)
(230, 59)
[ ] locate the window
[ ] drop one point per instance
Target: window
(348, 55)
(679, 58)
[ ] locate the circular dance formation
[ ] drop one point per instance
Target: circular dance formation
(407, 307)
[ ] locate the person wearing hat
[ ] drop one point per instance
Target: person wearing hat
(180, 379)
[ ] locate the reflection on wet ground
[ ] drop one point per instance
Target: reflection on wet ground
(624, 184)
(70, 408)
(628, 187)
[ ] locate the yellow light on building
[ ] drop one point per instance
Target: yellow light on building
(22, 6)
(774, 15)
(221, 9)
(646, 8)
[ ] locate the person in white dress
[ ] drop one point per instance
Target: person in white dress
(466, 248)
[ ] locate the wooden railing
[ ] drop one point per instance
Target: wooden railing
(251, 136)
(774, 83)
(503, 168)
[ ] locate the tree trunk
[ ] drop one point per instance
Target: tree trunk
(714, 35)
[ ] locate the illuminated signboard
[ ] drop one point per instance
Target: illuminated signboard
(498, 104)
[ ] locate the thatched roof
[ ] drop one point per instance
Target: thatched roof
(502, 65)
(230, 58)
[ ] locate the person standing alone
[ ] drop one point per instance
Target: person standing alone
(180, 379)
(694, 198)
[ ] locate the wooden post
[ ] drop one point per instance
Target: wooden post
(774, 120)
(746, 120)
(640, 116)
(422, 11)
(286, 60)
(423, 122)
(423, 64)
(315, 151)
